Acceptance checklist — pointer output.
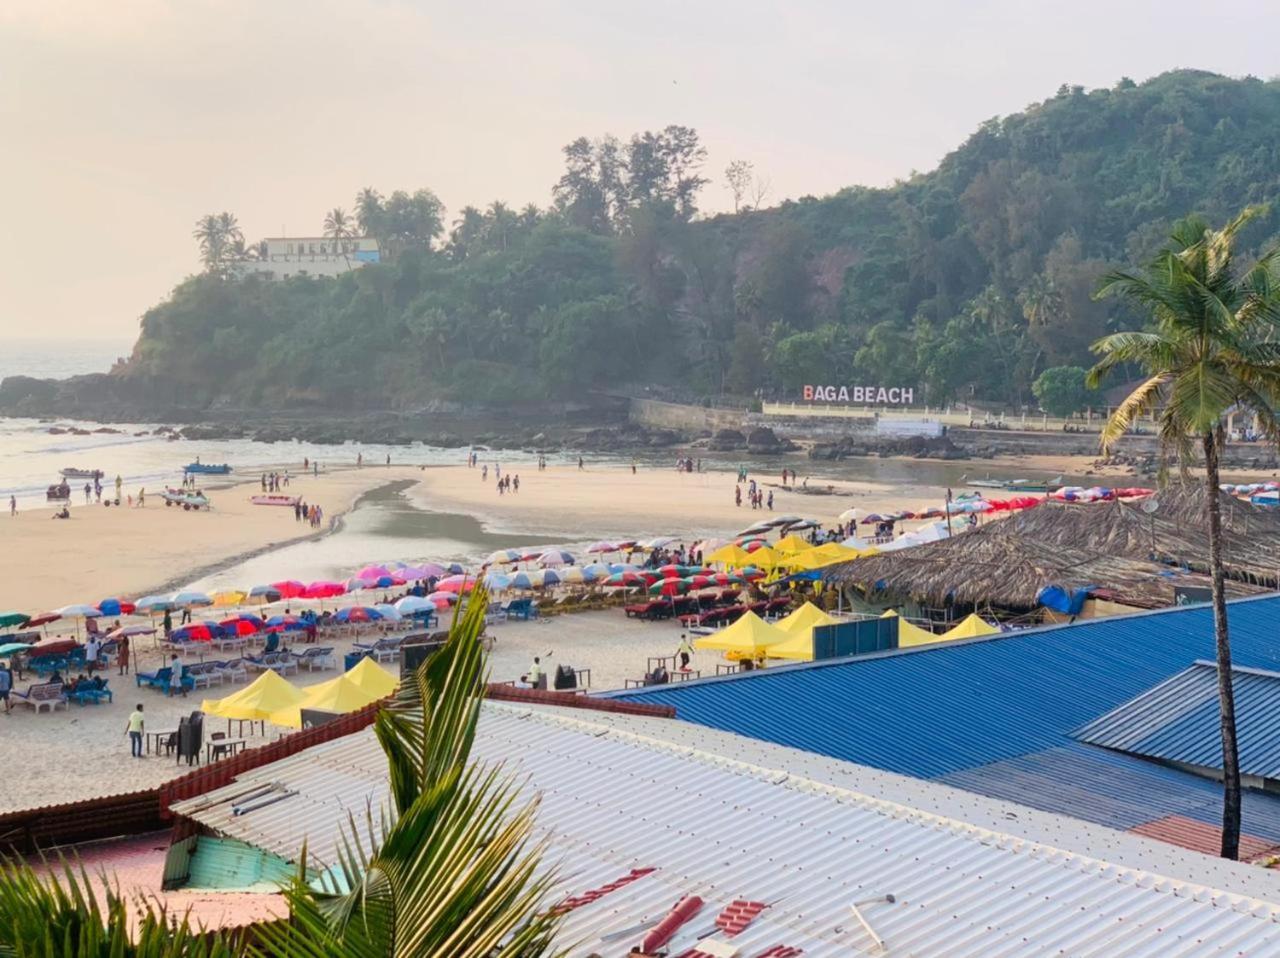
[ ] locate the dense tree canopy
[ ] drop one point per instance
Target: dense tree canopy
(967, 282)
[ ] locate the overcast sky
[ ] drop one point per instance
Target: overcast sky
(122, 122)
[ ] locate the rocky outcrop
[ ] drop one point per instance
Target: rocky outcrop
(917, 447)
(762, 440)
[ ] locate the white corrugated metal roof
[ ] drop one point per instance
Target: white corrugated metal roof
(724, 818)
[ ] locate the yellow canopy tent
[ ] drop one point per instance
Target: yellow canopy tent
(266, 694)
(837, 552)
(340, 695)
(971, 627)
(803, 619)
(791, 544)
(733, 556)
(799, 626)
(765, 558)
(373, 678)
(749, 636)
(910, 635)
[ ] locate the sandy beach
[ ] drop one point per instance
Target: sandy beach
(128, 552)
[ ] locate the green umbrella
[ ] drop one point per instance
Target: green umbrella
(13, 618)
(9, 648)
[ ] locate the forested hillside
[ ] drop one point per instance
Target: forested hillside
(967, 281)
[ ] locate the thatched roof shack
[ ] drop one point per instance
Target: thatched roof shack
(1136, 556)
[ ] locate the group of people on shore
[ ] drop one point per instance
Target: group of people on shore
(755, 494)
(508, 483)
(275, 481)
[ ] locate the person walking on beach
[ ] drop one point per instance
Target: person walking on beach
(580, 464)
(13, 506)
(737, 496)
(515, 483)
(484, 473)
(167, 624)
(6, 686)
(684, 652)
(771, 500)
(88, 493)
(134, 730)
(122, 655)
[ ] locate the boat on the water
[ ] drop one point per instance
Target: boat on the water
(81, 473)
(58, 492)
(206, 469)
(276, 500)
(186, 500)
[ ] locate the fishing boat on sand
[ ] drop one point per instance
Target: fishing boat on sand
(203, 469)
(74, 473)
(58, 492)
(1018, 485)
(276, 500)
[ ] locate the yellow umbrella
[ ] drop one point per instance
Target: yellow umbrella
(971, 627)
(792, 543)
(339, 695)
(749, 636)
(765, 558)
(910, 635)
(373, 678)
(229, 597)
(733, 556)
(266, 694)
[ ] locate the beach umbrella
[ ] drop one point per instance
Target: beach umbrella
(751, 573)
(803, 524)
(496, 581)
(238, 627)
(669, 587)
(660, 542)
(456, 583)
(289, 588)
(284, 623)
(442, 600)
(627, 545)
(752, 545)
(553, 558)
(265, 593)
(388, 612)
(13, 618)
(409, 573)
(454, 568)
(573, 575)
(371, 572)
(357, 613)
(699, 581)
(504, 556)
(115, 607)
(534, 579)
(128, 631)
(595, 572)
(191, 597)
(355, 585)
(672, 571)
(227, 597)
(416, 605)
(757, 528)
(599, 548)
(624, 579)
(434, 570)
(197, 632)
(252, 619)
(784, 520)
(847, 515)
(44, 618)
(12, 648)
(323, 589)
(78, 612)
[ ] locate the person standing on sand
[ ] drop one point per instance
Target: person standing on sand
(580, 464)
(684, 652)
(13, 506)
(737, 495)
(122, 655)
(6, 686)
(515, 483)
(167, 625)
(134, 731)
(771, 500)
(484, 473)
(175, 676)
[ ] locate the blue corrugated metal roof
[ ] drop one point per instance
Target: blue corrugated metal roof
(1112, 789)
(1177, 721)
(937, 711)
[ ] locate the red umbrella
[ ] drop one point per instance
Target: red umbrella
(53, 648)
(669, 587)
(44, 618)
(239, 626)
(672, 571)
(626, 579)
(323, 590)
(290, 588)
(700, 581)
(456, 583)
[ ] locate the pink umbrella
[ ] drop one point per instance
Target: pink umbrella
(442, 600)
(424, 571)
(290, 588)
(323, 590)
(456, 583)
(602, 547)
(371, 572)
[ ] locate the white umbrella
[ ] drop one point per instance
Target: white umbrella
(389, 612)
(848, 515)
(412, 604)
(79, 612)
(555, 557)
(661, 542)
(192, 598)
(154, 603)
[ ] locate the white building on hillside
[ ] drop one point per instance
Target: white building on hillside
(285, 257)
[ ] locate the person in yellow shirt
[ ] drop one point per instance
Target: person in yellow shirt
(134, 730)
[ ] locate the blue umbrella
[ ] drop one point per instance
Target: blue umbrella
(110, 607)
(9, 648)
(286, 623)
(357, 613)
(155, 603)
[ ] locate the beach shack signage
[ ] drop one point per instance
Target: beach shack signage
(869, 395)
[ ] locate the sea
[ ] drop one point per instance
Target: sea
(386, 524)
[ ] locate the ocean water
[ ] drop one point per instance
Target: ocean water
(59, 358)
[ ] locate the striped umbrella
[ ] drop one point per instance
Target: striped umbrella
(496, 581)
(625, 579)
(504, 556)
(371, 572)
(554, 558)
(192, 597)
(265, 593)
(154, 603)
(535, 579)
(669, 587)
(595, 572)
(357, 613)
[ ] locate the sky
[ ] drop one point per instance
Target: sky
(121, 123)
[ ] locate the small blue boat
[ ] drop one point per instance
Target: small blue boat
(200, 468)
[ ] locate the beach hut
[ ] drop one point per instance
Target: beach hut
(748, 637)
(266, 694)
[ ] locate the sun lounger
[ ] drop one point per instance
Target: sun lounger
(520, 609)
(204, 674)
(159, 679)
(229, 642)
(384, 650)
(45, 695)
(94, 691)
(232, 670)
(282, 663)
(314, 658)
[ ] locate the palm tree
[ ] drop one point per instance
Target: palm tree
(369, 212)
(220, 240)
(338, 226)
(449, 872)
(1209, 352)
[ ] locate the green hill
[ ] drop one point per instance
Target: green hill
(966, 281)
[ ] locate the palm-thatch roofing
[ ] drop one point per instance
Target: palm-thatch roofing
(1137, 556)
